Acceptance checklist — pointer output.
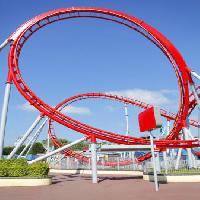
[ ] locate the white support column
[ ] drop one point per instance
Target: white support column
(154, 163)
(158, 162)
(28, 145)
(192, 161)
(165, 161)
(127, 119)
(195, 95)
(34, 138)
(186, 132)
(25, 136)
(172, 151)
(195, 75)
(89, 164)
(199, 126)
(4, 107)
(57, 150)
(4, 44)
(48, 143)
(118, 163)
(178, 158)
(32, 143)
(4, 116)
(167, 150)
(94, 160)
(168, 127)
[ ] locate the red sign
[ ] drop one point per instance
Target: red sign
(150, 119)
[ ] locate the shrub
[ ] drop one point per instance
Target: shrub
(20, 168)
(17, 171)
(38, 169)
(17, 162)
(3, 169)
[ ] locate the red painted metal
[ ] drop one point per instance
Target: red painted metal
(26, 30)
(148, 120)
(134, 102)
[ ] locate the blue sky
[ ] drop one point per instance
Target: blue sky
(86, 55)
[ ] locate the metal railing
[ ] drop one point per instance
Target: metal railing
(58, 161)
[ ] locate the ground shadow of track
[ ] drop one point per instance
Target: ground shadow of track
(68, 178)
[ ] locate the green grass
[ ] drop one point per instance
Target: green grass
(181, 171)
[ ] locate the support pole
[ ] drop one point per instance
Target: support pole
(172, 151)
(25, 136)
(165, 161)
(48, 143)
(57, 150)
(34, 138)
(4, 44)
(199, 126)
(31, 145)
(178, 158)
(127, 119)
(157, 162)
(154, 162)
(167, 150)
(195, 75)
(4, 116)
(94, 160)
(195, 95)
(168, 127)
(189, 151)
(28, 145)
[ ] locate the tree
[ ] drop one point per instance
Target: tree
(63, 141)
(20, 150)
(80, 146)
(37, 149)
(45, 143)
(77, 147)
(7, 150)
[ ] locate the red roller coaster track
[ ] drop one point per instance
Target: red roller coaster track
(182, 72)
(143, 105)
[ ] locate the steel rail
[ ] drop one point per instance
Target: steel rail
(134, 102)
(26, 30)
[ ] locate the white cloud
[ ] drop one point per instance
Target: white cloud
(167, 91)
(76, 110)
(67, 110)
(111, 108)
(26, 107)
(148, 96)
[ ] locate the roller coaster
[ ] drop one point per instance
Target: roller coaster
(189, 93)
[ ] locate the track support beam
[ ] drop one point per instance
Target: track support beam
(4, 116)
(25, 136)
(127, 119)
(4, 44)
(94, 160)
(191, 159)
(154, 163)
(165, 161)
(34, 138)
(57, 150)
(196, 96)
(193, 73)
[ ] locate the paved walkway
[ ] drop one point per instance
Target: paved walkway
(74, 187)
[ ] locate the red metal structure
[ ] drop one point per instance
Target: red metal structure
(149, 119)
(133, 102)
(183, 74)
